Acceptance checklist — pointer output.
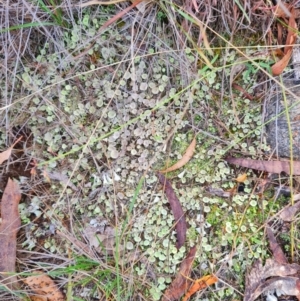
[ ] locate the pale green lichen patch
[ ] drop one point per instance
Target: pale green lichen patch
(107, 125)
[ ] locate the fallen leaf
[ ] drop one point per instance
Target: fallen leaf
(292, 33)
(7, 153)
(269, 166)
(199, 285)
(288, 213)
(43, 286)
(181, 282)
(185, 158)
(256, 280)
(277, 252)
(8, 232)
(278, 67)
(178, 213)
(242, 178)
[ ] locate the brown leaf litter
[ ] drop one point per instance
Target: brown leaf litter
(9, 228)
(279, 66)
(182, 282)
(268, 166)
(185, 158)
(277, 275)
(200, 284)
(178, 213)
(44, 288)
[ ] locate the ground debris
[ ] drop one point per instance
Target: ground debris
(178, 213)
(9, 228)
(185, 158)
(268, 166)
(182, 282)
(44, 288)
(274, 276)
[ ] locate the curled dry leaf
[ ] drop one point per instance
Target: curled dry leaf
(278, 67)
(269, 166)
(182, 281)
(7, 153)
(44, 287)
(9, 228)
(199, 285)
(292, 33)
(185, 158)
(178, 213)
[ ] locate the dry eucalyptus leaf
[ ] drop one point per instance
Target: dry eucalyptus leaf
(44, 287)
(181, 226)
(8, 232)
(200, 284)
(269, 166)
(277, 252)
(185, 158)
(182, 281)
(278, 67)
